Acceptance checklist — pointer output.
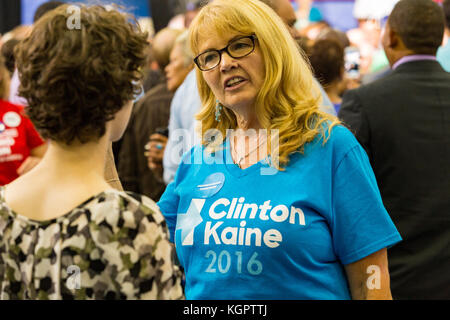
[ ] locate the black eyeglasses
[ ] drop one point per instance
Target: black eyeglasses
(238, 48)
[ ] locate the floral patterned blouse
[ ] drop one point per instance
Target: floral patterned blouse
(113, 246)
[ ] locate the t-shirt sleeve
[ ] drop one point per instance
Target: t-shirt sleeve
(361, 225)
(168, 205)
(170, 199)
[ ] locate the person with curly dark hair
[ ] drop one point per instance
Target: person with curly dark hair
(92, 241)
(111, 175)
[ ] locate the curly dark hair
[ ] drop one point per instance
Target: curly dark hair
(76, 80)
(327, 60)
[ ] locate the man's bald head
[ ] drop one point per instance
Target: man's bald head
(163, 43)
(286, 12)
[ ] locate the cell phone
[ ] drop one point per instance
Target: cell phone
(352, 62)
(164, 131)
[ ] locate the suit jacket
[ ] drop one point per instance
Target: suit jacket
(150, 113)
(403, 122)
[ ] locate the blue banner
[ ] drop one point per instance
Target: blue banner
(140, 8)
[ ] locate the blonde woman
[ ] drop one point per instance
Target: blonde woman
(279, 201)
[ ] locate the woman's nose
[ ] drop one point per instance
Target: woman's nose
(227, 62)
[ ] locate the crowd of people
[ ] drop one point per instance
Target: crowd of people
(244, 146)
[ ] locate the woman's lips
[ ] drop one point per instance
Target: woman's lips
(236, 86)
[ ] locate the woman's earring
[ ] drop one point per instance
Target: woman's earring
(219, 108)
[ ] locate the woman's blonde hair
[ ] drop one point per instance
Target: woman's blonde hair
(289, 98)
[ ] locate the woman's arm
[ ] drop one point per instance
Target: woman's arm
(368, 278)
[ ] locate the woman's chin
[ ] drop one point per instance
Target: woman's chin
(240, 104)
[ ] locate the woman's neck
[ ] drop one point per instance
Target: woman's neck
(248, 141)
(75, 161)
(333, 91)
(66, 176)
(247, 120)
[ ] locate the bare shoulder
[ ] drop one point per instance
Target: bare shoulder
(24, 189)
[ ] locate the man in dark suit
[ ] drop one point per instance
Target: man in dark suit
(403, 122)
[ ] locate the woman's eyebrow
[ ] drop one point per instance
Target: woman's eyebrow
(229, 41)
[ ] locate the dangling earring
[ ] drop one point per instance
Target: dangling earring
(219, 108)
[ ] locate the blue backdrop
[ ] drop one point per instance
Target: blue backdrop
(139, 8)
(339, 13)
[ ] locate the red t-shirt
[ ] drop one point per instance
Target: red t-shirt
(17, 138)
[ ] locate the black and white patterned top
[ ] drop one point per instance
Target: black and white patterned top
(113, 246)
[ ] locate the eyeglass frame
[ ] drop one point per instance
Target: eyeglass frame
(253, 37)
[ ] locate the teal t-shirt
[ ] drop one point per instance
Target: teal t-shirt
(263, 234)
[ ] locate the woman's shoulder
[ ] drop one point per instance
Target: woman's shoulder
(111, 207)
(145, 205)
(111, 213)
(333, 141)
(124, 217)
(336, 135)
(193, 155)
(125, 205)
(5, 211)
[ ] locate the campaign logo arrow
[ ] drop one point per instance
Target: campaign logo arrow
(188, 221)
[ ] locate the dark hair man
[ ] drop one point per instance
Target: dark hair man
(403, 122)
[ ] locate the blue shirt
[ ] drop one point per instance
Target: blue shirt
(260, 233)
(443, 56)
(337, 106)
(182, 137)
